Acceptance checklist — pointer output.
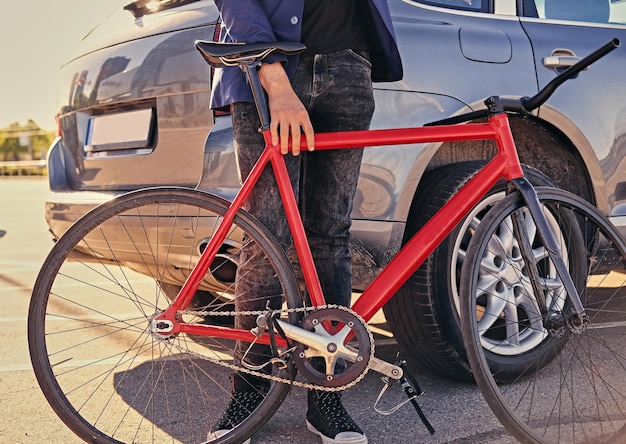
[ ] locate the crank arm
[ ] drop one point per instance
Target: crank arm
(385, 368)
(315, 341)
(323, 344)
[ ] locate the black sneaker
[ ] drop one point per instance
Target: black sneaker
(244, 400)
(327, 418)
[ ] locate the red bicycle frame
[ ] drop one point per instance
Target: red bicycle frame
(505, 164)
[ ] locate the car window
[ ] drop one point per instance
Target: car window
(471, 5)
(592, 11)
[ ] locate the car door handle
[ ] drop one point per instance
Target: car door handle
(554, 62)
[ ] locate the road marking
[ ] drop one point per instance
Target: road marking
(16, 368)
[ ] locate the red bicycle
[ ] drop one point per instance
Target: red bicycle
(120, 361)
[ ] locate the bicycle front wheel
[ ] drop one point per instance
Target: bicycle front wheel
(570, 387)
(95, 356)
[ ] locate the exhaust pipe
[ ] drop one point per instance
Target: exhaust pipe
(224, 266)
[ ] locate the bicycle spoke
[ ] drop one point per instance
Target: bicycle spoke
(567, 384)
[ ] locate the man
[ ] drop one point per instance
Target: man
(350, 43)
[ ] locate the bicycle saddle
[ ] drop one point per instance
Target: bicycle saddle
(222, 54)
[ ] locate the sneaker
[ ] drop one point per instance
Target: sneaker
(328, 418)
(242, 403)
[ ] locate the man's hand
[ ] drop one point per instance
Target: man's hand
(288, 114)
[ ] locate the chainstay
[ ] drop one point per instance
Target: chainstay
(306, 385)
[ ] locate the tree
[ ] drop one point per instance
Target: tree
(24, 142)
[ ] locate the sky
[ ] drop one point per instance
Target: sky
(35, 38)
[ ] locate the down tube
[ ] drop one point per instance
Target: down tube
(420, 246)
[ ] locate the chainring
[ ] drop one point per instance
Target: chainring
(336, 325)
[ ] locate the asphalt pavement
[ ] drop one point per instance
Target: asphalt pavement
(457, 411)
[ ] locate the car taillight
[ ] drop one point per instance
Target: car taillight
(217, 31)
(216, 38)
(57, 118)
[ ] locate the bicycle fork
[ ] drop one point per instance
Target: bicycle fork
(553, 320)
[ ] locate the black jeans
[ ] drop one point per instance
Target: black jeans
(337, 91)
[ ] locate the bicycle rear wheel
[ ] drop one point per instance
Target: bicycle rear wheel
(572, 386)
(103, 371)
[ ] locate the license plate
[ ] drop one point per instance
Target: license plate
(120, 131)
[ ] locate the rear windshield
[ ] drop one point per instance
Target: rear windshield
(140, 8)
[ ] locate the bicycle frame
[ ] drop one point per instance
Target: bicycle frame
(505, 164)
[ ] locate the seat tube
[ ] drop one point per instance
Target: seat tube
(284, 187)
(295, 223)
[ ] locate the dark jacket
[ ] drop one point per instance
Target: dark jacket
(280, 20)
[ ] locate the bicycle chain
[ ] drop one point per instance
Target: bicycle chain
(276, 378)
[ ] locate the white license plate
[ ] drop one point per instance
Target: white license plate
(127, 130)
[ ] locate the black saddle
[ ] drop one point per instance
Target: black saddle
(227, 54)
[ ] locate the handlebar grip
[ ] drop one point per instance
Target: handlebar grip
(540, 98)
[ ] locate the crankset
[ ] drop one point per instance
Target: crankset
(332, 361)
(333, 347)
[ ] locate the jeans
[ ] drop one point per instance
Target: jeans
(336, 90)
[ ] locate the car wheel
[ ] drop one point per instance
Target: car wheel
(423, 314)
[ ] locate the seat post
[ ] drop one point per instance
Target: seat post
(252, 73)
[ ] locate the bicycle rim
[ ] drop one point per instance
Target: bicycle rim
(100, 367)
(572, 387)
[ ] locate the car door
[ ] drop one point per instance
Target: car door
(591, 109)
(455, 54)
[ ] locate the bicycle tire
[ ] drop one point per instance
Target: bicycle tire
(578, 393)
(102, 371)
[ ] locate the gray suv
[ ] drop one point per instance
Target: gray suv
(134, 113)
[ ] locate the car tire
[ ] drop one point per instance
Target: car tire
(423, 314)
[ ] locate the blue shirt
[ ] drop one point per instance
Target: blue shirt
(281, 20)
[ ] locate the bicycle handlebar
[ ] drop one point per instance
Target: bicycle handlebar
(540, 98)
(527, 104)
